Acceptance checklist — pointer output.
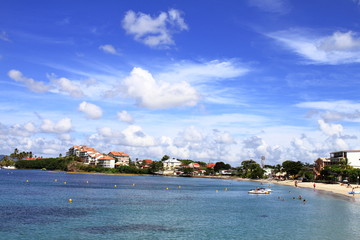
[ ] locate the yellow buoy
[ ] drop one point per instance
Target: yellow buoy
(217, 191)
(27, 180)
(65, 182)
(133, 184)
(167, 188)
(115, 185)
(70, 200)
(225, 189)
(179, 186)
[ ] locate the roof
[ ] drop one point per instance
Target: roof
(106, 157)
(346, 151)
(147, 161)
(119, 154)
(210, 165)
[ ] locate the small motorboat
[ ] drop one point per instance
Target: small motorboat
(260, 191)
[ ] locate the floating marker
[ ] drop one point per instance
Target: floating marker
(27, 180)
(65, 182)
(179, 186)
(133, 184)
(55, 180)
(167, 188)
(217, 191)
(70, 200)
(87, 181)
(225, 189)
(115, 185)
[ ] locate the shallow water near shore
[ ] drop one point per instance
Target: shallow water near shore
(152, 207)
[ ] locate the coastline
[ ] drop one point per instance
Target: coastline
(336, 189)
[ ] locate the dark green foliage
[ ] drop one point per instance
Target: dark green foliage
(221, 166)
(156, 166)
(165, 157)
(47, 163)
(250, 169)
(121, 169)
(292, 168)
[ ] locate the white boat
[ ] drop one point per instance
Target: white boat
(260, 191)
(9, 167)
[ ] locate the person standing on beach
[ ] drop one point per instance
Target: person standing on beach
(295, 183)
(314, 186)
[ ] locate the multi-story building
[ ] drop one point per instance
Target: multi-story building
(121, 158)
(351, 157)
(106, 161)
(171, 164)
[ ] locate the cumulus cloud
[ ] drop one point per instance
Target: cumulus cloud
(67, 86)
(131, 136)
(109, 49)
(339, 48)
(124, 116)
(91, 110)
(62, 126)
(154, 31)
(31, 84)
(330, 129)
(158, 95)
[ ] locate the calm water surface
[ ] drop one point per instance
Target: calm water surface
(140, 207)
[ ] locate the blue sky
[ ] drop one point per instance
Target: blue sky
(204, 80)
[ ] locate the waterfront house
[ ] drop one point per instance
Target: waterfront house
(171, 164)
(351, 157)
(194, 165)
(210, 165)
(121, 158)
(106, 161)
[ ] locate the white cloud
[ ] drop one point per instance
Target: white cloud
(91, 110)
(4, 36)
(330, 129)
(62, 126)
(158, 95)
(339, 48)
(203, 72)
(67, 86)
(347, 110)
(155, 31)
(131, 136)
(30, 83)
(272, 6)
(124, 116)
(109, 49)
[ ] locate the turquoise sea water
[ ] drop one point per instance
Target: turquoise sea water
(140, 207)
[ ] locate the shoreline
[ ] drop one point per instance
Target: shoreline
(336, 189)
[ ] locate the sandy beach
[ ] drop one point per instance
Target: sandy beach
(341, 189)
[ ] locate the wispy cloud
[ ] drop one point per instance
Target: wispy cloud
(338, 48)
(109, 49)
(30, 83)
(92, 111)
(154, 31)
(271, 6)
(4, 36)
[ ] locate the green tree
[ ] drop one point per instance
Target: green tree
(165, 157)
(156, 166)
(251, 169)
(221, 166)
(292, 168)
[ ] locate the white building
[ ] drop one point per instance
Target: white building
(171, 164)
(121, 158)
(106, 161)
(352, 157)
